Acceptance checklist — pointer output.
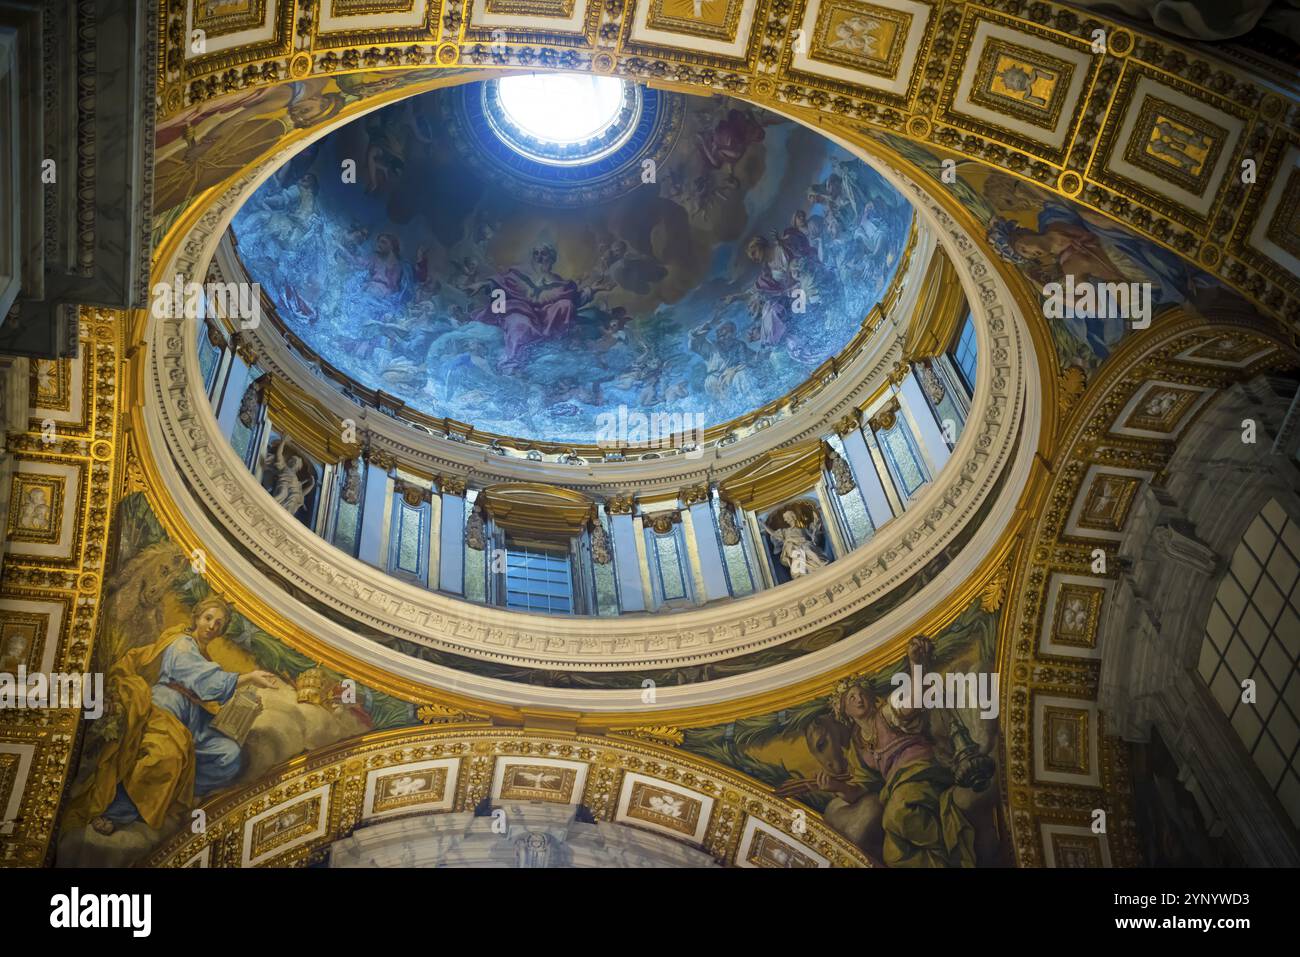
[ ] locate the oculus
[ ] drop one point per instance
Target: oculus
(562, 119)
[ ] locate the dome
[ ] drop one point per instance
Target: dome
(479, 255)
(320, 552)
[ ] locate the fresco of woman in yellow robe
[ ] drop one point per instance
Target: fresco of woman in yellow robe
(167, 752)
(891, 752)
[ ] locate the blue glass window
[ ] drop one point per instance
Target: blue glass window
(347, 527)
(209, 359)
(740, 577)
(852, 506)
(966, 353)
(665, 555)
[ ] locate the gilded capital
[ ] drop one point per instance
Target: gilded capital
(619, 505)
(451, 485)
(848, 423)
(413, 495)
(883, 420)
(694, 494)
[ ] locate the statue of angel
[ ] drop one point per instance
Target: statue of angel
(799, 551)
(294, 480)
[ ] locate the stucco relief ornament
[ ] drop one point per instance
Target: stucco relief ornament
(250, 401)
(840, 472)
(292, 476)
(798, 552)
(475, 533)
(351, 491)
(727, 525)
(601, 553)
(533, 850)
(930, 382)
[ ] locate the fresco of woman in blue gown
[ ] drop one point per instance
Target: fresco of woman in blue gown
(174, 655)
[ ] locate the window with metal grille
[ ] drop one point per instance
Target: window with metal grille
(538, 579)
(1253, 632)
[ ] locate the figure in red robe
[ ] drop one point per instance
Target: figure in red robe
(730, 139)
(534, 307)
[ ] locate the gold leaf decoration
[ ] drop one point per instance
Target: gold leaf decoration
(995, 589)
(444, 714)
(657, 734)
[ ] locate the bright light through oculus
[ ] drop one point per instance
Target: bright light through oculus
(561, 108)
(562, 119)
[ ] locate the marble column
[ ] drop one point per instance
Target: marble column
(451, 564)
(627, 562)
(867, 477)
(707, 547)
(375, 514)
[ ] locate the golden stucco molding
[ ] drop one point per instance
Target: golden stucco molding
(75, 580)
(1088, 439)
(344, 773)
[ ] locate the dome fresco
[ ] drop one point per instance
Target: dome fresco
(703, 265)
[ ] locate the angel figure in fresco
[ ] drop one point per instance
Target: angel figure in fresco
(538, 304)
(720, 146)
(730, 139)
(166, 752)
(892, 756)
(858, 211)
(291, 216)
(385, 148)
(837, 199)
(728, 361)
(647, 374)
(383, 285)
(471, 370)
(770, 296)
(617, 265)
(287, 229)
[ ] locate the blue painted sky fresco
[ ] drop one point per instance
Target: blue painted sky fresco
(753, 256)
